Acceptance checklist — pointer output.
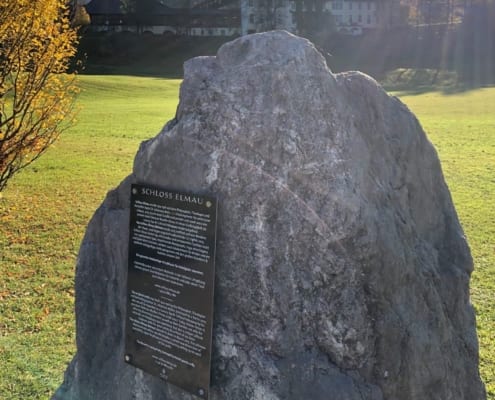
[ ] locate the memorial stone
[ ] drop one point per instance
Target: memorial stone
(342, 272)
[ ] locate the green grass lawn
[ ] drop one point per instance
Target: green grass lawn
(43, 216)
(462, 127)
(44, 212)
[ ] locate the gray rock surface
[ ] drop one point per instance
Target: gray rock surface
(342, 270)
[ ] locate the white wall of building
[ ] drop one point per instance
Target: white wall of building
(246, 11)
(215, 31)
(355, 14)
(154, 29)
(260, 15)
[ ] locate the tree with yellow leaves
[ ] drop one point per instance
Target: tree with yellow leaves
(37, 43)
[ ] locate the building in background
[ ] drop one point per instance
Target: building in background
(266, 15)
(241, 17)
(184, 17)
(298, 16)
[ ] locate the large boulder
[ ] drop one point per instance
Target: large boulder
(342, 272)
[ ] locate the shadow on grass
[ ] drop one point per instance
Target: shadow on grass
(164, 57)
(145, 55)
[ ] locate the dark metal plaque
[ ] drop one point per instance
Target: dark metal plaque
(170, 286)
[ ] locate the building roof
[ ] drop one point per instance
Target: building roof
(104, 7)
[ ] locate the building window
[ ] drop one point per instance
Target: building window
(251, 18)
(369, 5)
(359, 5)
(368, 19)
(360, 18)
(251, 3)
(350, 5)
(350, 19)
(337, 5)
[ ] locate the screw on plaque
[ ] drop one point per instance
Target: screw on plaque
(134, 191)
(128, 358)
(208, 204)
(201, 392)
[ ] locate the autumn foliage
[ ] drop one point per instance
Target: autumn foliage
(37, 42)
